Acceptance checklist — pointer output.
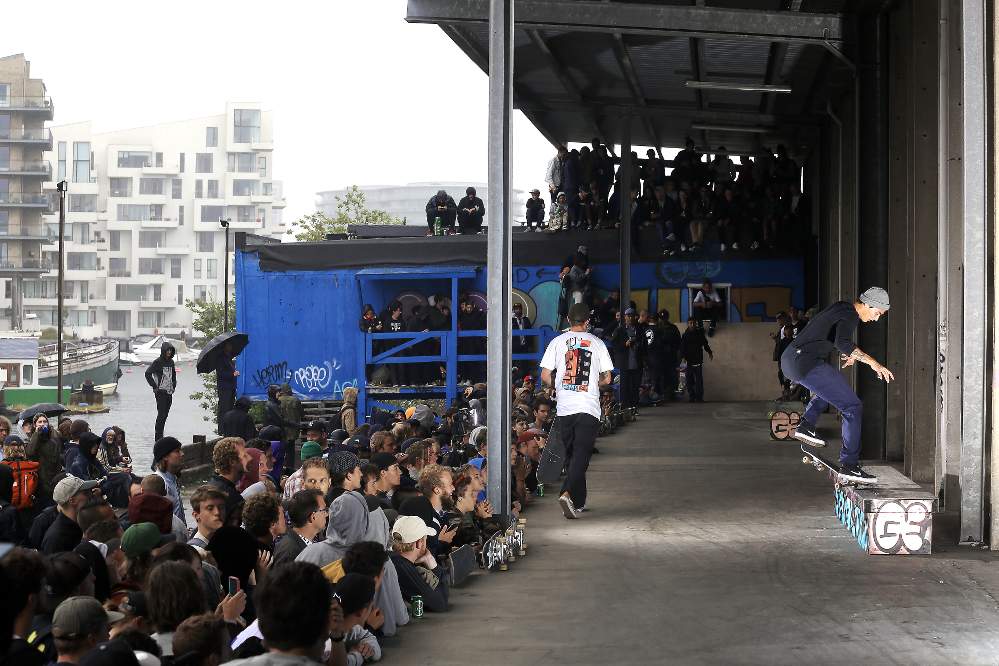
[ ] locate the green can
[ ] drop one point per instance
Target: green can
(438, 227)
(540, 492)
(417, 601)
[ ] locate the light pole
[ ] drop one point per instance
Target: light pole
(224, 221)
(62, 187)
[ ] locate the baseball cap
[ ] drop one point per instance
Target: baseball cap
(579, 313)
(535, 191)
(410, 529)
(355, 591)
(311, 450)
(80, 616)
(383, 460)
(875, 297)
(140, 538)
(316, 426)
(70, 486)
(112, 653)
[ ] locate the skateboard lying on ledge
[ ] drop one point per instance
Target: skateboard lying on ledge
(817, 461)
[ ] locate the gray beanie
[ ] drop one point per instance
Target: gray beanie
(342, 462)
(875, 297)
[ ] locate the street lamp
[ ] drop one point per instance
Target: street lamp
(224, 221)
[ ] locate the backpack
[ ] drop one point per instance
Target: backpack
(25, 482)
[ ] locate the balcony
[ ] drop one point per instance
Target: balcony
(119, 274)
(263, 146)
(25, 233)
(27, 168)
(35, 136)
(150, 304)
(160, 223)
(24, 266)
(173, 250)
(40, 104)
(261, 198)
(23, 200)
(171, 169)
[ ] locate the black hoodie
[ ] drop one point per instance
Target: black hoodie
(161, 374)
(237, 422)
(8, 514)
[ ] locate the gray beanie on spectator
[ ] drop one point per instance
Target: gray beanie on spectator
(343, 462)
(875, 297)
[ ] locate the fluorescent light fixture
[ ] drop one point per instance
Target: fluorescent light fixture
(743, 86)
(748, 129)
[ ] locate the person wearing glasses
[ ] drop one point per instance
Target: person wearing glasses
(308, 514)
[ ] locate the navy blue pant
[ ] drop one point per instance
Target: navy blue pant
(829, 387)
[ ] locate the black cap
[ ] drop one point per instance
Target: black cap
(355, 591)
(164, 447)
(383, 460)
(316, 426)
(112, 653)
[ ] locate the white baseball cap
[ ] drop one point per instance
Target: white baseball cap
(410, 529)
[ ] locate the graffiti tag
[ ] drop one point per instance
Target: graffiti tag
(275, 373)
(902, 526)
(314, 378)
(852, 516)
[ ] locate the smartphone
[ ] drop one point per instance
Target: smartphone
(233, 585)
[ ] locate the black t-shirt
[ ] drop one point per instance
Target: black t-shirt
(64, 535)
(830, 329)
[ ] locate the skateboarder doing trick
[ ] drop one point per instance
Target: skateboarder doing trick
(805, 362)
(576, 363)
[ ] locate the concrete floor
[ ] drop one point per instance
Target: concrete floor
(708, 543)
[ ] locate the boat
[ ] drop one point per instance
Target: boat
(107, 389)
(148, 352)
(128, 358)
(96, 360)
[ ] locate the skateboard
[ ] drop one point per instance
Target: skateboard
(783, 424)
(818, 462)
(552, 456)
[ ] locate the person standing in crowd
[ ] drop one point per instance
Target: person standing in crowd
(293, 413)
(442, 206)
(65, 533)
(708, 305)
(804, 362)
(521, 343)
(554, 173)
(471, 211)
(162, 378)
(796, 320)
(307, 512)
(208, 508)
(168, 461)
(575, 364)
(693, 344)
(628, 355)
(671, 353)
(237, 422)
(535, 211)
(45, 448)
(225, 378)
(229, 460)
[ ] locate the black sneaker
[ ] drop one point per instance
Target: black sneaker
(856, 474)
(807, 434)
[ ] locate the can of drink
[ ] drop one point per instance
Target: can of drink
(541, 490)
(417, 601)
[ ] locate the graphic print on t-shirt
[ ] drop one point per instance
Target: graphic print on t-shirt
(578, 358)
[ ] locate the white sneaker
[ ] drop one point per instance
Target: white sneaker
(723, 247)
(568, 508)
(735, 246)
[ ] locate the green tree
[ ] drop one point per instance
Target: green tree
(350, 209)
(208, 322)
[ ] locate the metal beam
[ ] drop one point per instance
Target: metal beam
(673, 112)
(562, 74)
(697, 69)
(643, 19)
(775, 63)
(499, 267)
(631, 76)
(624, 212)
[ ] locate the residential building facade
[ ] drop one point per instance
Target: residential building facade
(142, 231)
(24, 110)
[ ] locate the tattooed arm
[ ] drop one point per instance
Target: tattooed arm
(858, 354)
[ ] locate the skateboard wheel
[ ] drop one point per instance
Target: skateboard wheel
(806, 460)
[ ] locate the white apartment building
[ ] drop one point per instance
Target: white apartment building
(142, 223)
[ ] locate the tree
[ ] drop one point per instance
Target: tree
(350, 209)
(208, 322)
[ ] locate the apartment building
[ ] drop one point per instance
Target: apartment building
(142, 229)
(24, 109)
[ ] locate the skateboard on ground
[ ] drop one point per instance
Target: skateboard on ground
(818, 461)
(552, 456)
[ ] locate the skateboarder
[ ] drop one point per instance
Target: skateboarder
(805, 362)
(581, 364)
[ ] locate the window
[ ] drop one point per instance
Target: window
(244, 188)
(213, 189)
(117, 320)
(212, 269)
(268, 189)
(206, 241)
(262, 166)
(246, 125)
(156, 212)
(240, 162)
(149, 319)
(150, 186)
(10, 374)
(244, 213)
(175, 268)
(132, 212)
(4, 94)
(197, 269)
(150, 266)
(115, 241)
(130, 159)
(80, 233)
(211, 137)
(213, 292)
(159, 159)
(62, 161)
(130, 292)
(81, 161)
(203, 163)
(212, 213)
(200, 292)
(28, 373)
(180, 294)
(81, 261)
(150, 239)
(4, 156)
(118, 267)
(176, 188)
(181, 160)
(84, 292)
(199, 189)
(83, 203)
(4, 224)
(180, 215)
(262, 217)
(120, 187)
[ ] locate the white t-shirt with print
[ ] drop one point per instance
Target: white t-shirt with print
(578, 360)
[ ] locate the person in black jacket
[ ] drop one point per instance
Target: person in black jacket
(693, 344)
(629, 353)
(162, 378)
(535, 211)
(237, 422)
(670, 335)
(471, 210)
(225, 377)
(8, 513)
(409, 554)
(441, 205)
(272, 411)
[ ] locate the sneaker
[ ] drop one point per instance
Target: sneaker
(582, 509)
(671, 237)
(805, 433)
(568, 508)
(723, 247)
(735, 246)
(855, 473)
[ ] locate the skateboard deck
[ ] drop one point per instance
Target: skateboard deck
(552, 456)
(818, 461)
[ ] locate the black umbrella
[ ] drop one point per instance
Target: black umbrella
(46, 408)
(208, 358)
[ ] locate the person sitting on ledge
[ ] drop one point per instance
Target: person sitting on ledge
(470, 213)
(443, 206)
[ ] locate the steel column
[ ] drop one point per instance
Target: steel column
(624, 199)
(975, 255)
(500, 253)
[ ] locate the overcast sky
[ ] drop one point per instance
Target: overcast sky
(359, 96)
